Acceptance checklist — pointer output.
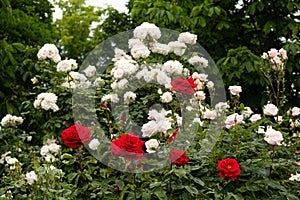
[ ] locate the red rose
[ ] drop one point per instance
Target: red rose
(123, 117)
(128, 146)
(178, 157)
(173, 136)
(185, 86)
(229, 168)
(76, 135)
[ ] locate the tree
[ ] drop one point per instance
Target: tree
(25, 24)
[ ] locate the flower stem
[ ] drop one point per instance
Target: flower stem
(134, 180)
(272, 156)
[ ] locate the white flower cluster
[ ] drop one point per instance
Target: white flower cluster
(158, 123)
(295, 177)
(66, 65)
(12, 162)
(276, 58)
(31, 177)
(11, 120)
(198, 61)
(46, 101)
(49, 51)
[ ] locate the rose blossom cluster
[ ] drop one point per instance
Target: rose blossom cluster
(46, 101)
(11, 120)
(12, 162)
(31, 177)
(276, 58)
(49, 51)
(66, 65)
(48, 148)
(158, 123)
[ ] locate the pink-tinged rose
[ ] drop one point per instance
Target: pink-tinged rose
(283, 54)
(235, 90)
(295, 111)
(210, 85)
(200, 95)
(270, 110)
(233, 119)
(254, 118)
(273, 137)
(273, 53)
(185, 86)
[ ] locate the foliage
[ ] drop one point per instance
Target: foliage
(25, 25)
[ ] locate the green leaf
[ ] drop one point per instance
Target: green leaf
(161, 195)
(202, 21)
(191, 190)
(198, 181)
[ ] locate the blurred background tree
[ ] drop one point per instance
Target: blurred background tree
(25, 24)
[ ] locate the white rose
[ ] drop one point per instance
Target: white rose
(210, 85)
(255, 117)
(129, 96)
(149, 129)
(166, 97)
(31, 177)
(118, 73)
(200, 95)
(11, 161)
(198, 61)
(44, 150)
(54, 148)
(233, 119)
(273, 137)
(273, 53)
(187, 38)
(90, 71)
(94, 143)
(235, 90)
(295, 111)
(151, 145)
(270, 110)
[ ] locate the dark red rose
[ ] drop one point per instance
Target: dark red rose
(76, 135)
(173, 136)
(123, 117)
(104, 106)
(229, 168)
(178, 157)
(185, 86)
(128, 146)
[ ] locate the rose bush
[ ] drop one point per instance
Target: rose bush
(47, 154)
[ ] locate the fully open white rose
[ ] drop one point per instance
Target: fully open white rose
(270, 110)
(235, 90)
(151, 145)
(295, 111)
(273, 137)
